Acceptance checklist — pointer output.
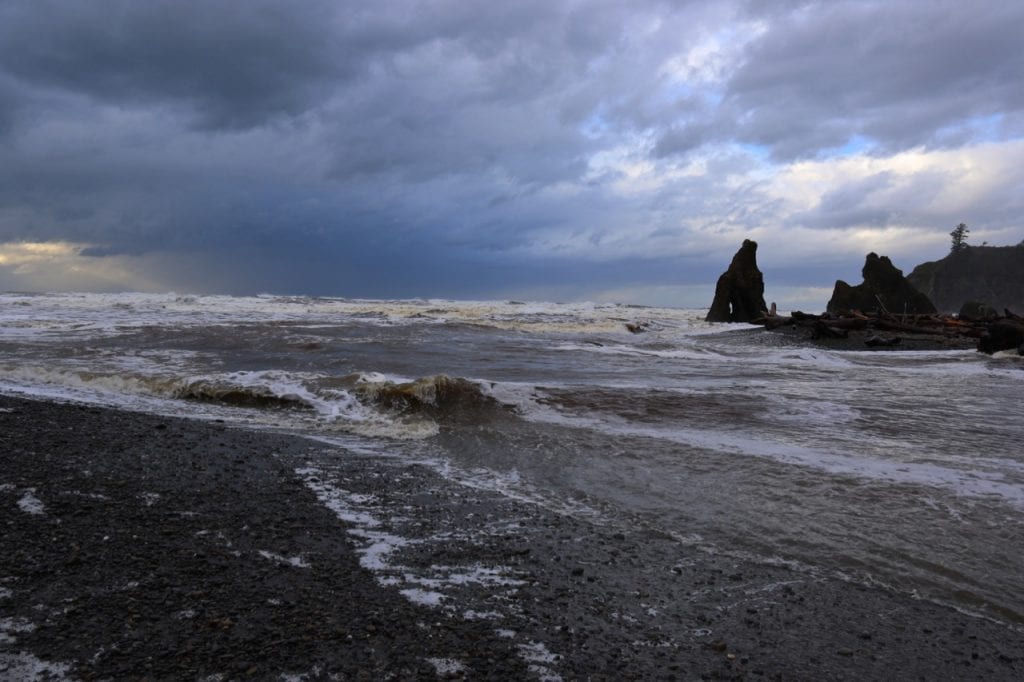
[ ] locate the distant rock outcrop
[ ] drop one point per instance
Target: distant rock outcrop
(976, 310)
(739, 293)
(988, 274)
(884, 288)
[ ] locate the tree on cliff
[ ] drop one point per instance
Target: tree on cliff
(959, 235)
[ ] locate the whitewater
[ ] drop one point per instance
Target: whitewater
(903, 470)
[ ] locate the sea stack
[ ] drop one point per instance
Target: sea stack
(884, 289)
(739, 294)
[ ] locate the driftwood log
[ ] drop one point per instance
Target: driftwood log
(1003, 333)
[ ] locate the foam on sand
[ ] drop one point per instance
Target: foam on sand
(30, 504)
(539, 659)
(378, 536)
(22, 665)
(296, 561)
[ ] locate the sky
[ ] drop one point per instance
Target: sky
(535, 149)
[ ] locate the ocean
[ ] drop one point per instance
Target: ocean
(901, 470)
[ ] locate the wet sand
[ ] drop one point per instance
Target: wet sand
(141, 547)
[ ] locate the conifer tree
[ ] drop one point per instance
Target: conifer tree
(959, 235)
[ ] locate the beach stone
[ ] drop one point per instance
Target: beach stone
(739, 293)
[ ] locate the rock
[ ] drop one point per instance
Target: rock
(884, 288)
(821, 330)
(1002, 335)
(974, 273)
(876, 341)
(739, 293)
(976, 310)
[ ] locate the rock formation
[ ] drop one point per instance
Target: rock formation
(988, 274)
(976, 310)
(884, 289)
(880, 330)
(739, 293)
(1003, 334)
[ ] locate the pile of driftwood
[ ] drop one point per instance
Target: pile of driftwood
(885, 329)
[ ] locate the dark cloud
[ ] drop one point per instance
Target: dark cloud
(895, 72)
(402, 148)
(10, 104)
(232, 64)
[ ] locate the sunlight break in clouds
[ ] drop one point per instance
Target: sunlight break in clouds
(34, 265)
(23, 255)
(899, 204)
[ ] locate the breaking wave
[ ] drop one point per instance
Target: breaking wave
(369, 404)
(205, 390)
(441, 397)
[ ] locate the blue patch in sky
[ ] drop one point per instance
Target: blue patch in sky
(761, 152)
(595, 126)
(987, 128)
(857, 144)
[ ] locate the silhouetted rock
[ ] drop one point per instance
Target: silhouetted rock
(739, 294)
(993, 274)
(884, 288)
(1005, 334)
(976, 310)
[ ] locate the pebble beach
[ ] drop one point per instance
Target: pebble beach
(143, 547)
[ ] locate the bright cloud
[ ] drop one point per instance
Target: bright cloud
(62, 265)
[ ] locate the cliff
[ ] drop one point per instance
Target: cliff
(987, 274)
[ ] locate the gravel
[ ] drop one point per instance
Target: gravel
(142, 547)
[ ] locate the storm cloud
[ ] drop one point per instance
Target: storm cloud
(542, 149)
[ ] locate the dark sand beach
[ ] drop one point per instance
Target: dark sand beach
(141, 547)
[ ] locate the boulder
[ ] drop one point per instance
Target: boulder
(1004, 334)
(739, 293)
(884, 289)
(883, 341)
(976, 310)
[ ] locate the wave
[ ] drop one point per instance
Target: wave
(731, 424)
(94, 314)
(441, 397)
(672, 353)
(254, 396)
(370, 404)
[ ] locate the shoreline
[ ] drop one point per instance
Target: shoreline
(857, 340)
(139, 546)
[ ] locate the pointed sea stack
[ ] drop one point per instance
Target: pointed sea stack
(739, 294)
(884, 289)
